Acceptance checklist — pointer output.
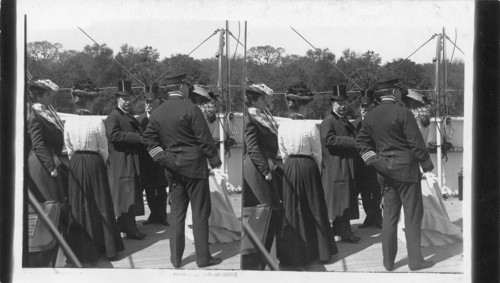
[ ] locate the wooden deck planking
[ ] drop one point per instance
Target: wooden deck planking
(365, 256)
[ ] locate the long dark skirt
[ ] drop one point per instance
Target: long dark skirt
(91, 204)
(306, 232)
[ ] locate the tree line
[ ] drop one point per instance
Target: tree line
(319, 69)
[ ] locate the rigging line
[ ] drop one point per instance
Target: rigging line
(327, 60)
(237, 40)
(394, 69)
(160, 77)
(455, 45)
(133, 76)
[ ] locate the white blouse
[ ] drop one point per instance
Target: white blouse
(299, 137)
(86, 133)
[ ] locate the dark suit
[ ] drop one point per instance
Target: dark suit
(124, 144)
(391, 141)
(338, 171)
(153, 181)
(369, 188)
(178, 137)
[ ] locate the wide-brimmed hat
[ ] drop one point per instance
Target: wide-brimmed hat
(124, 89)
(299, 92)
(151, 92)
(339, 93)
(259, 89)
(85, 88)
(202, 92)
(366, 97)
(40, 84)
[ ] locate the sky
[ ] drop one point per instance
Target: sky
(393, 29)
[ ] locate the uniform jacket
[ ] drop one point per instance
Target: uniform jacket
(339, 157)
(391, 141)
(152, 175)
(178, 137)
(46, 140)
(124, 144)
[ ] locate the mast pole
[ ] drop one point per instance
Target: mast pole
(220, 87)
(438, 109)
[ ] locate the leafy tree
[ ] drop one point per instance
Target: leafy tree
(266, 55)
(44, 50)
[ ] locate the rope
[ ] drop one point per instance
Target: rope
(133, 76)
(331, 63)
(160, 77)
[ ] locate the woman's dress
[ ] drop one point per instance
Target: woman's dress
(89, 192)
(306, 233)
(46, 133)
(223, 225)
(437, 228)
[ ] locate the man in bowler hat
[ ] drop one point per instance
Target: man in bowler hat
(339, 157)
(125, 144)
(391, 142)
(153, 179)
(368, 185)
(178, 137)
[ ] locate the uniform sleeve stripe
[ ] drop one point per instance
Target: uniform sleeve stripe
(367, 155)
(155, 151)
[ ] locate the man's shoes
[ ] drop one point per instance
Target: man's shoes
(211, 261)
(136, 236)
(422, 265)
(352, 239)
(389, 268)
(164, 222)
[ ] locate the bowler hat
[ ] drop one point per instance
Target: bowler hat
(124, 88)
(366, 97)
(151, 92)
(339, 93)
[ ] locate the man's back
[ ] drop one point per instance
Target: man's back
(397, 139)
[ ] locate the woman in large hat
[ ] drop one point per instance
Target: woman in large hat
(89, 194)
(306, 234)
(260, 148)
(46, 132)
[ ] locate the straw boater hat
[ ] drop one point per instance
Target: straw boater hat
(299, 92)
(84, 88)
(124, 89)
(339, 93)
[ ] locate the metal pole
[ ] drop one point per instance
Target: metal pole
(221, 117)
(53, 230)
(438, 108)
(228, 70)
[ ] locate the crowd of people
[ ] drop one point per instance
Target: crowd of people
(313, 190)
(309, 175)
(113, 162)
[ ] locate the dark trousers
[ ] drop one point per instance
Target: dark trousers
(408, 195)
(341, 226)
(126, 222)
(371, 205)
(182, 191)
(157, 202)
